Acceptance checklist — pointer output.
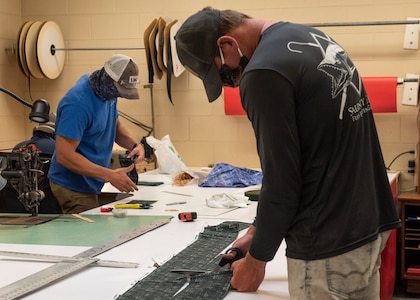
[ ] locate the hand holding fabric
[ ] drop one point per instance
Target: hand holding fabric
(248, 273)
(121, 181)
(137, 153)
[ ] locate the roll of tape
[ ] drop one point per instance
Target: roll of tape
(119, 212)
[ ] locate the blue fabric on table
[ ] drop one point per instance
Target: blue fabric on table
(225, 175)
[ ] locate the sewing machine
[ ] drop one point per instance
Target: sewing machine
(22, 170)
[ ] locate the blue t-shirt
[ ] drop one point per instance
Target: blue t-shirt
(86, 118)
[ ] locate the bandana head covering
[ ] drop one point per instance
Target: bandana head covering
(103, 86)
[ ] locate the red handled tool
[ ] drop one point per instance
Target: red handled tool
(105, 209)
(187, 216)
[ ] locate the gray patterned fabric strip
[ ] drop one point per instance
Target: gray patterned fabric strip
(202, 254)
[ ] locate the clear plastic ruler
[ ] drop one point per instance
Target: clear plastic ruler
(70, 265)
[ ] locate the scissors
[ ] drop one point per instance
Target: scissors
(188, 273)
(238, 255)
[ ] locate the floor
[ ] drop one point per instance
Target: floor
(400, 294)
(406, 297)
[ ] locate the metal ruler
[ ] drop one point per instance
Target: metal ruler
(68, 259)
(51, 274)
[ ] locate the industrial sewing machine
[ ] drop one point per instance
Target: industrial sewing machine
(23, 170)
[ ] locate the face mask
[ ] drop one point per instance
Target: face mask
(230, 77)
(103, 85)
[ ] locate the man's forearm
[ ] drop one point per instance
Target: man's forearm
(81, 165)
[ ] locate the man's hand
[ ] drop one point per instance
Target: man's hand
(138, 153)
(248, 273)
(121, 181)
(242, 243)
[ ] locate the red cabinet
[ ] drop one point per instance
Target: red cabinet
(389, 255)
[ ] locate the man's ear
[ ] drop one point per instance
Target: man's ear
(226, 41)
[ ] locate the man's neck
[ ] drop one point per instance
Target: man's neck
(267, 24)
(248, 35)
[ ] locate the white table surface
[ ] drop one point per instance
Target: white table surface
(159, 245)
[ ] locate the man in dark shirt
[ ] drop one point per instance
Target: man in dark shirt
(43, 138)
(325, 190)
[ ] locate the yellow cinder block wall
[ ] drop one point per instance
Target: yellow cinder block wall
(200, 131)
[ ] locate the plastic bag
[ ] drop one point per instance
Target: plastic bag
(168, 159)
(187, 177)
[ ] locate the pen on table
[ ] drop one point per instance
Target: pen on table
(175, 203)
(136, 205)
(177, 193)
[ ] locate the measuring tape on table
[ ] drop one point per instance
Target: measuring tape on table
(68, 265)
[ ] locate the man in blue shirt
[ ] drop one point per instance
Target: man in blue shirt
(86, 129)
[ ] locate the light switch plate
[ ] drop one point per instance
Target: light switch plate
(411, 90)
(411, 37)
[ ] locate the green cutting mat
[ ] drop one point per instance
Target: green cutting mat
(67, 230)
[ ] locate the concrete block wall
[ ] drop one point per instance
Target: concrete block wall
(201, 132)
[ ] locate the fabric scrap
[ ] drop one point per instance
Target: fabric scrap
(227, 201)
(226, 175)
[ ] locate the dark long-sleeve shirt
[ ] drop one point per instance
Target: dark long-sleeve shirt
(325, 189)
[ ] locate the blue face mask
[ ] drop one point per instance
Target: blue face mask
(230, 77)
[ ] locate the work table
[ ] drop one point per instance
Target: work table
(158, 245)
